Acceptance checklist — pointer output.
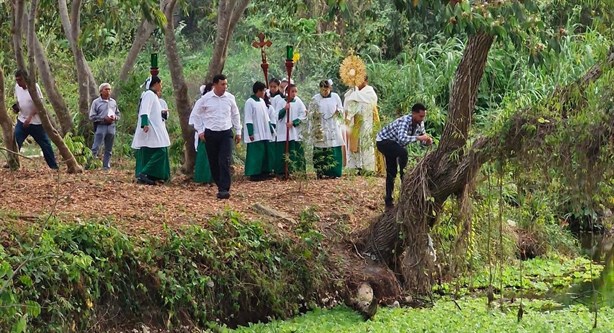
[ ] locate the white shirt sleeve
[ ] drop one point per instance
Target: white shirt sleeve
(338, 103)
(147, 103)
(248, 111)
(195, 118)
(302, 111)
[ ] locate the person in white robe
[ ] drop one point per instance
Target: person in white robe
(151, 139)
(362, 119)
(325, 124)
(257, 135)
(291, 116)
(202, 171)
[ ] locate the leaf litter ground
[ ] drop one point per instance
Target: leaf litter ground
(113, 197)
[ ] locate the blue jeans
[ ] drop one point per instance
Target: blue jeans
(106, 134)
(40, 136)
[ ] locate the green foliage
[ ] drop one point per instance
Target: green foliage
(82, 153)
(235, 271)
(66, 276)
(467, 315)
(65, 271)
(540, 276)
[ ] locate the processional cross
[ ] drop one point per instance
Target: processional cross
(262, 44)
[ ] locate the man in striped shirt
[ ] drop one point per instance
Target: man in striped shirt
(392, 140)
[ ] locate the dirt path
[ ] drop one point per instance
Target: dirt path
(113, 197)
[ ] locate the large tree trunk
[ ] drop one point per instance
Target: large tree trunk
(431, 182)
(450, 169)
(88, 90)
(179, 87)
(16, 30)
(229, 13)
(7, 129)
(71, 162)
(56, 99)
(143, 32)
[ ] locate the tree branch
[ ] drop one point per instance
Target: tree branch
(18, 14)
(7, 129)
(143, 32)
(56, 99)
(71, 162)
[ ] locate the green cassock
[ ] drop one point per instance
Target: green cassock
(202, 171)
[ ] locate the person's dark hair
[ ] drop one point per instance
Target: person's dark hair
(154, 80)
(218, 78)
(290, 86)
(208, 87)
(21, 73)
(324, 84)
(258, 86)
(417, 108)
(274, 80)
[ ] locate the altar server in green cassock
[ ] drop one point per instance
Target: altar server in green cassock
(298, 115)
(151, 139)
(258, 135)
(202, 171)
(325, 119)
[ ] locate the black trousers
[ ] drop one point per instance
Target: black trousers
(219, 152)
(396, 158)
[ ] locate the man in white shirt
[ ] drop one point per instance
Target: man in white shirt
(104, 113)
(219, 114)
(28, 120)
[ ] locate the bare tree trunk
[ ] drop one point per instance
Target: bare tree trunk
(229, 13)
(143, 32)
(18, 11)
(439, 175)
(88, 89)
(179, 87)
(7, 129)
(56, 99)
(71, 162)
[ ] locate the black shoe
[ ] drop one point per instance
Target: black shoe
(223, 195)
(143, 179)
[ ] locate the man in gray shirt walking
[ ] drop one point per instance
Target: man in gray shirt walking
(104, 113)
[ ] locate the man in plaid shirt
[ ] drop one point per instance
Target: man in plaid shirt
(392, 140)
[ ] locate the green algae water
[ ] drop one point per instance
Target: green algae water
(559, 296)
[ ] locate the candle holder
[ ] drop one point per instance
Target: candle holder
(153, 70)
(289, 66)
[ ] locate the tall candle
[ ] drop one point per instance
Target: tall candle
(154, 60)
(289, 52)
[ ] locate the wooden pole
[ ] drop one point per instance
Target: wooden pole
(289, 65)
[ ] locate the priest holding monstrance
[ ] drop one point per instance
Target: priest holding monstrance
(362, 118)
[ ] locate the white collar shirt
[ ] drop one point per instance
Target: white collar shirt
(219, 113)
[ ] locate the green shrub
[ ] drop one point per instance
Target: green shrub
(74, 276)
